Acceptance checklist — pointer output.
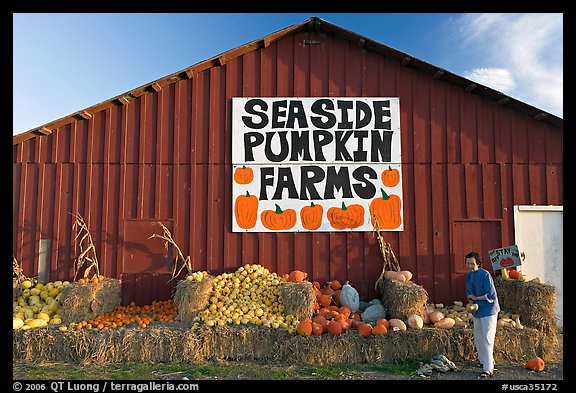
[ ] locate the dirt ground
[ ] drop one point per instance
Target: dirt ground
(468, 371)
(554, 370)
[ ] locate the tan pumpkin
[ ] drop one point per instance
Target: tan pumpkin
(397, 323)
(415, 321)
(407, 274)
(392, 275)
(445, 323)
(435, 316)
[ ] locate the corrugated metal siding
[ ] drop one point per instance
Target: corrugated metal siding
(166, 156)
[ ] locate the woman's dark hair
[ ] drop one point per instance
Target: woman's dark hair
(476, 256)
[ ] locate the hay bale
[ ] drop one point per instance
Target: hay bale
(298, 299)
(177, 343)
(516, 345)
(402, 299)
(80, 302)
(535, 302)
(192, 297)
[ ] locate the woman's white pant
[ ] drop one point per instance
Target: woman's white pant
(484, 336)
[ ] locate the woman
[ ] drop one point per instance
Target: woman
(480, 290)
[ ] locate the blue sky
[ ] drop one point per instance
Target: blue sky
(63, 63)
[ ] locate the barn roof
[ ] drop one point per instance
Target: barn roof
(312, 24)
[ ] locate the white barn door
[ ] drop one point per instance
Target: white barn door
(539, 234)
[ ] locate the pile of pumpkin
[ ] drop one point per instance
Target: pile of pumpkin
(38, 304)
(131, 315)
(338, 309)
(249, 295)
(511, 274)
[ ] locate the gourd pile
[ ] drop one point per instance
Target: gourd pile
(250, 295)
(38, 304)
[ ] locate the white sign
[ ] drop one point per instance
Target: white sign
(316, 164)
(505, 257)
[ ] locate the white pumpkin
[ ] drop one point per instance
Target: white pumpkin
(349, 297)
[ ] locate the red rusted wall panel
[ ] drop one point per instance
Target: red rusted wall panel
(166, 156)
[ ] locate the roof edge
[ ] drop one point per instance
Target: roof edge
(312, 24)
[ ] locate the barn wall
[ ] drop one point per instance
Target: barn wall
(166, 156)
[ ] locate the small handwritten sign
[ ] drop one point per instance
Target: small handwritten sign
(505, 257)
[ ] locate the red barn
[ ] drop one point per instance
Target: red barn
(162, 152)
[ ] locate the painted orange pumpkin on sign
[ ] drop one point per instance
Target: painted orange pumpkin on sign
(390, 177)
(243, 175)
(246, 210)
(386, 210)
(278, 219)
(311, 216)
(346, 217)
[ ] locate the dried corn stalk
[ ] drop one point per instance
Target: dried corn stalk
(167, 237)
(390, 261)
(17, 271)
(87, 254)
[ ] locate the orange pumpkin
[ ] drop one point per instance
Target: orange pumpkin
(246, 210)
(311, 216)
(379, 329)
(514, 274)
(324, 300)
(390, 177)
(335, 328)
(323, 322)
(243, 175)
(336, 297)
(297, 276)
(535, 364)
(304, 327)
(356, 315)
(385, 211)
(335, 285)
(278, 219)
(344, 311)
(317, 329)
(346, 217)
(365, 329)
(384, 322)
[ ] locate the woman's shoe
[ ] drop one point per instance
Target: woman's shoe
(486, 374)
